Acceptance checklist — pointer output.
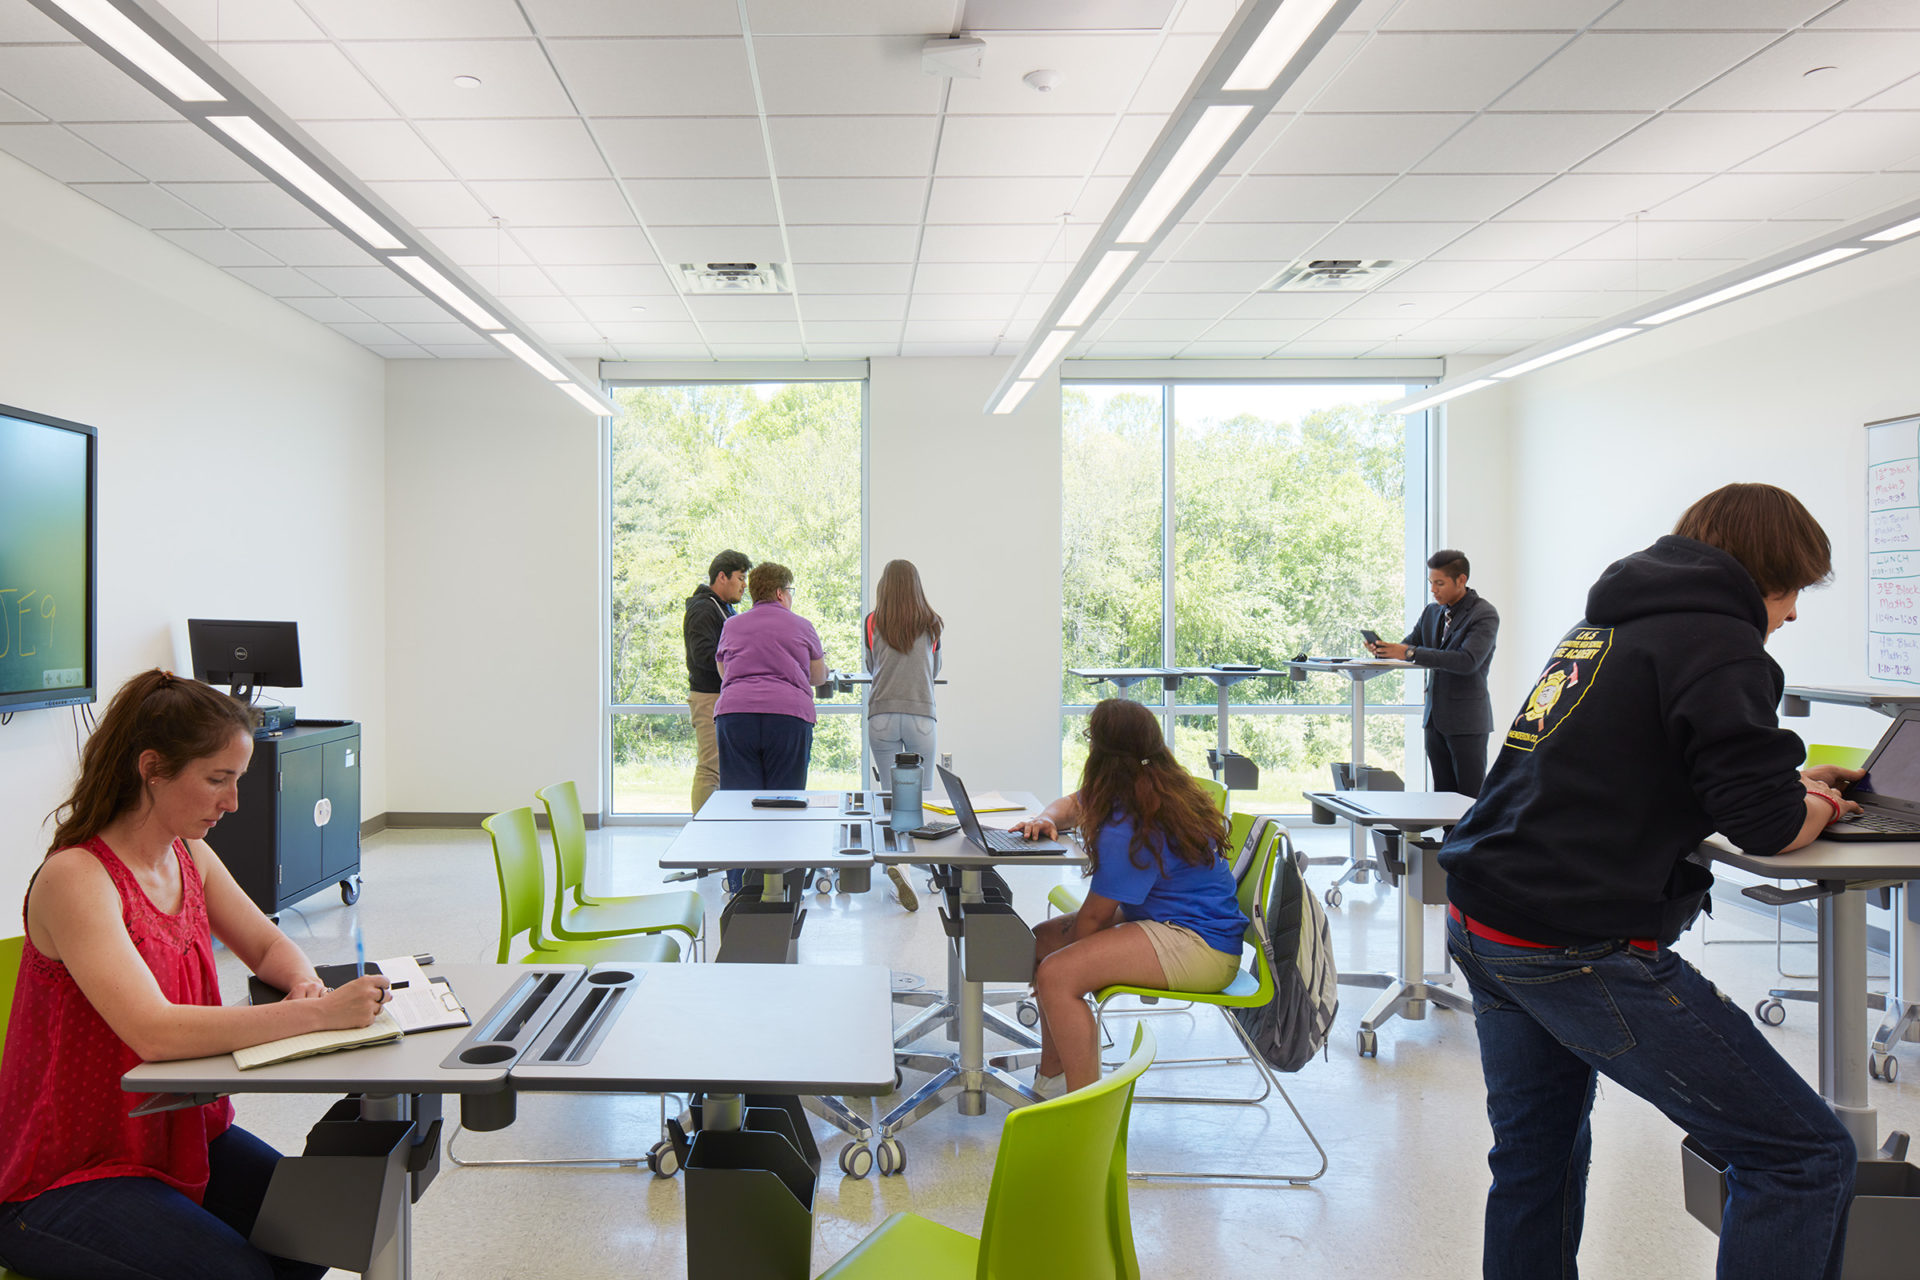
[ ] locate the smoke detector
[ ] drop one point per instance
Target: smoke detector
(734, 277)
(1045, 80)
(1334, 275)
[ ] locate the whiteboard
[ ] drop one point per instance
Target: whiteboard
(1893, 550)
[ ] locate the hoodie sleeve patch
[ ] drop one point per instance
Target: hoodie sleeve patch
(1561, 686)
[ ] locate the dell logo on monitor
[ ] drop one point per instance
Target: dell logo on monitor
(240, 653)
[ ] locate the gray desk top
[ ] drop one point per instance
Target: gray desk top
(737, 806)
(1408, 810)
(1855, 695)
(736, 1028)
(1354, 664)
(957, 851)
(410, 1064)
(725, 846)
(1826, 860)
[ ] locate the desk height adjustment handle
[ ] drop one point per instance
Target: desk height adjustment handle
(1774, 896)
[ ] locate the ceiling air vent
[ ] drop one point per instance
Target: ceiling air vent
(734, 277)
(1334, 275)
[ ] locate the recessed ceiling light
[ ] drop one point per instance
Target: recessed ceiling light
(1408, 306)
(1814, 71)
(637, 308)
(467, 82)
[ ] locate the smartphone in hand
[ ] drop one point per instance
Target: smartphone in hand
(1372, 638)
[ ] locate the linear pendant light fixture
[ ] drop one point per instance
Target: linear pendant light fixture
(1257, 59)
(152, 47)
(1861, 237)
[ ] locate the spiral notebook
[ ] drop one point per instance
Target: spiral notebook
(418, 1003)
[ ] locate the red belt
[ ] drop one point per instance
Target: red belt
(1492, 934)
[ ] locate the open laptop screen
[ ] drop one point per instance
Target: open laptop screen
(1895, 772)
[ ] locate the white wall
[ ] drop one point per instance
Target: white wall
(240, 472)
(973, 499)
(1608, 449)
(493, 587)
(1473, 479)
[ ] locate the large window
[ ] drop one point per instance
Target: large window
(1207, 523)
(773, 470)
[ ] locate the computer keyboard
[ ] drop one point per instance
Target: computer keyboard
(1005, 841)
(1883, 822)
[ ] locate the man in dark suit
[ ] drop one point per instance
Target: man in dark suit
(1454, 639)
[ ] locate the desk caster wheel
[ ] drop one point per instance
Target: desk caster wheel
(898, 1080)
(892, 1157)
(350, 890)
(1028, 1012)
(1770, 1011)
(1884, 1066)
(663, 1159)
(1333, 896)
(1369, 1044)
(824, 885)
(856, 1161)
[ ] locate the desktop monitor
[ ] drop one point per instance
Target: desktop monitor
(247, 656)
(48, 566)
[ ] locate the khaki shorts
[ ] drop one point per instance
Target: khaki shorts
(1188, 961)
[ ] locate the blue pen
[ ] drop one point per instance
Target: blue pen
(359, 950)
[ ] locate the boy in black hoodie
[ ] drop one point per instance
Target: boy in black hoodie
(1652, 725)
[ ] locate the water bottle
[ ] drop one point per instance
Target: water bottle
(906, 792)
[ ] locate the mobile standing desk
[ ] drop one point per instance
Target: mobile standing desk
(1405, 813)
(1221, 676)
(1358, 671)
(722, 1030)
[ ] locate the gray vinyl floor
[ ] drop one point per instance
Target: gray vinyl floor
(1406, 1133)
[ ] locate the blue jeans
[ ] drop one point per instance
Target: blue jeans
(142, 1229)
(890, 733)
(760, 751)
(1550, 1022)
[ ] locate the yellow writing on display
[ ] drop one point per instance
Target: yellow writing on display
(20, 608)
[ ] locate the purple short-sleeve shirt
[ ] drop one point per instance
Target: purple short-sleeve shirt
(767, 651)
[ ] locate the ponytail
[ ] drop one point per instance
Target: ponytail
(179, 720)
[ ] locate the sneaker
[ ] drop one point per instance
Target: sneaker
(908, 898)
(1049, 1086)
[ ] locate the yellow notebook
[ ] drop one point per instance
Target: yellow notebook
(381, 1029)
(992, 802)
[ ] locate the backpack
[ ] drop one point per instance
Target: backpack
(1292, 931)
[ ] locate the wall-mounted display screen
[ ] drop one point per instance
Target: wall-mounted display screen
(47, 561)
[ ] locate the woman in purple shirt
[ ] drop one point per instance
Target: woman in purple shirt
(770, 659)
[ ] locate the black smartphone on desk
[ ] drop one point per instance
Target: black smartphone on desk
(779, 802)
(934, 831)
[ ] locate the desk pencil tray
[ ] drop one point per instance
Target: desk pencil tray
(575, 1031)
(502, 1034)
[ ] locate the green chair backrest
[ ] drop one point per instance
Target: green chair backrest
(1058, 1203)
(10, 949)
(1253, 885)
(1820, 753)
(523, 886)
(569, 831)
(1237, 827)
(1214, 789)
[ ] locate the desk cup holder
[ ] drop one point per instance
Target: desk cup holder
(609, 977)
(499, 1036)
(487, 1055)
(336, 1204)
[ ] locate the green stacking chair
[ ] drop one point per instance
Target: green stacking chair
(1214, 789)
(523, 892)
(1057, 1207)
(587, 918)
(9, 974)
(1250, 988)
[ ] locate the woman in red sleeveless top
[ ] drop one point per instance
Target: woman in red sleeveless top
(118, 969)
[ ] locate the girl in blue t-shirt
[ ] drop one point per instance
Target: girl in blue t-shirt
(1160, 911)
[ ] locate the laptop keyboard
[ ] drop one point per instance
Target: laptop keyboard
(1882, 822)
(1005, 841)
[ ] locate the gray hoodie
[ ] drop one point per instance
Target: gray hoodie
(902, 682)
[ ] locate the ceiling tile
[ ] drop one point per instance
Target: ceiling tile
(1407, 308)
(1775, 80)
(987, 331)
(361, 282)
(1904, 96)
(1226, 276)
(853, 244)
(719, 244)
(991, 244)
(516, 150)
(1699, 141)
(470, 351)
(565, 332)
(365, 332)
(1132, 140)
(1247, 241)
(744, 309)
(24, 24)
(586, 246)
(604, 280)
(759, 350)
(222, 248)
(576, 203)
(1022, 146)
(1654, 239)
(615, 77)
(311, 80)
(1453, 197)
(835, 201)
(538, 282)
(282, 282)
(1746, 196)
(60, 155)
(1615, 71)
(553, 311)
(1707, 15)
(144, 203)
(1173, 72)
(635, 332)
(72, 82)
(1527, 142)
(853, 17)
(14, 111)
(416, 310)
(710, 201)
(246, 204)
(1494, 15)
(666, 351)
(220, 23)
(1295, 198)
(379, 150)
(433, 204)
(417, 19)
(884, 332)
(1884, 14)
(607, 311)
(313, 248)
(1176, 306)
(1520, 241)
(331, 310)
(989, 277)
(1387, 239)
(720, 148)
(854, 147)
(1451, 277)
(852, 277)
(1241, 350)
(1385, 143)
(1099, 72)
(1519, 304)
(398, 351)
(1861, 141)
(853, 307)
(848, 75)
(1002, 200)
(1860, 197)
(1600, 196)
(172, 151)
(962, 306)
(723, 332)
(625, 18)
(1395, 71)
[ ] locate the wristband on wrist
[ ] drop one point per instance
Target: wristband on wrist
(1818, 795)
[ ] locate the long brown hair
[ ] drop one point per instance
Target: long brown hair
(901, 613)
(1130, 773)
(181, 720)
(1767, 530)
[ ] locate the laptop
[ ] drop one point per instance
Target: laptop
(1889, 794)
(992, 839)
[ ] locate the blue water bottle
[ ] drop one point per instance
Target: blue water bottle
(906, 792)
